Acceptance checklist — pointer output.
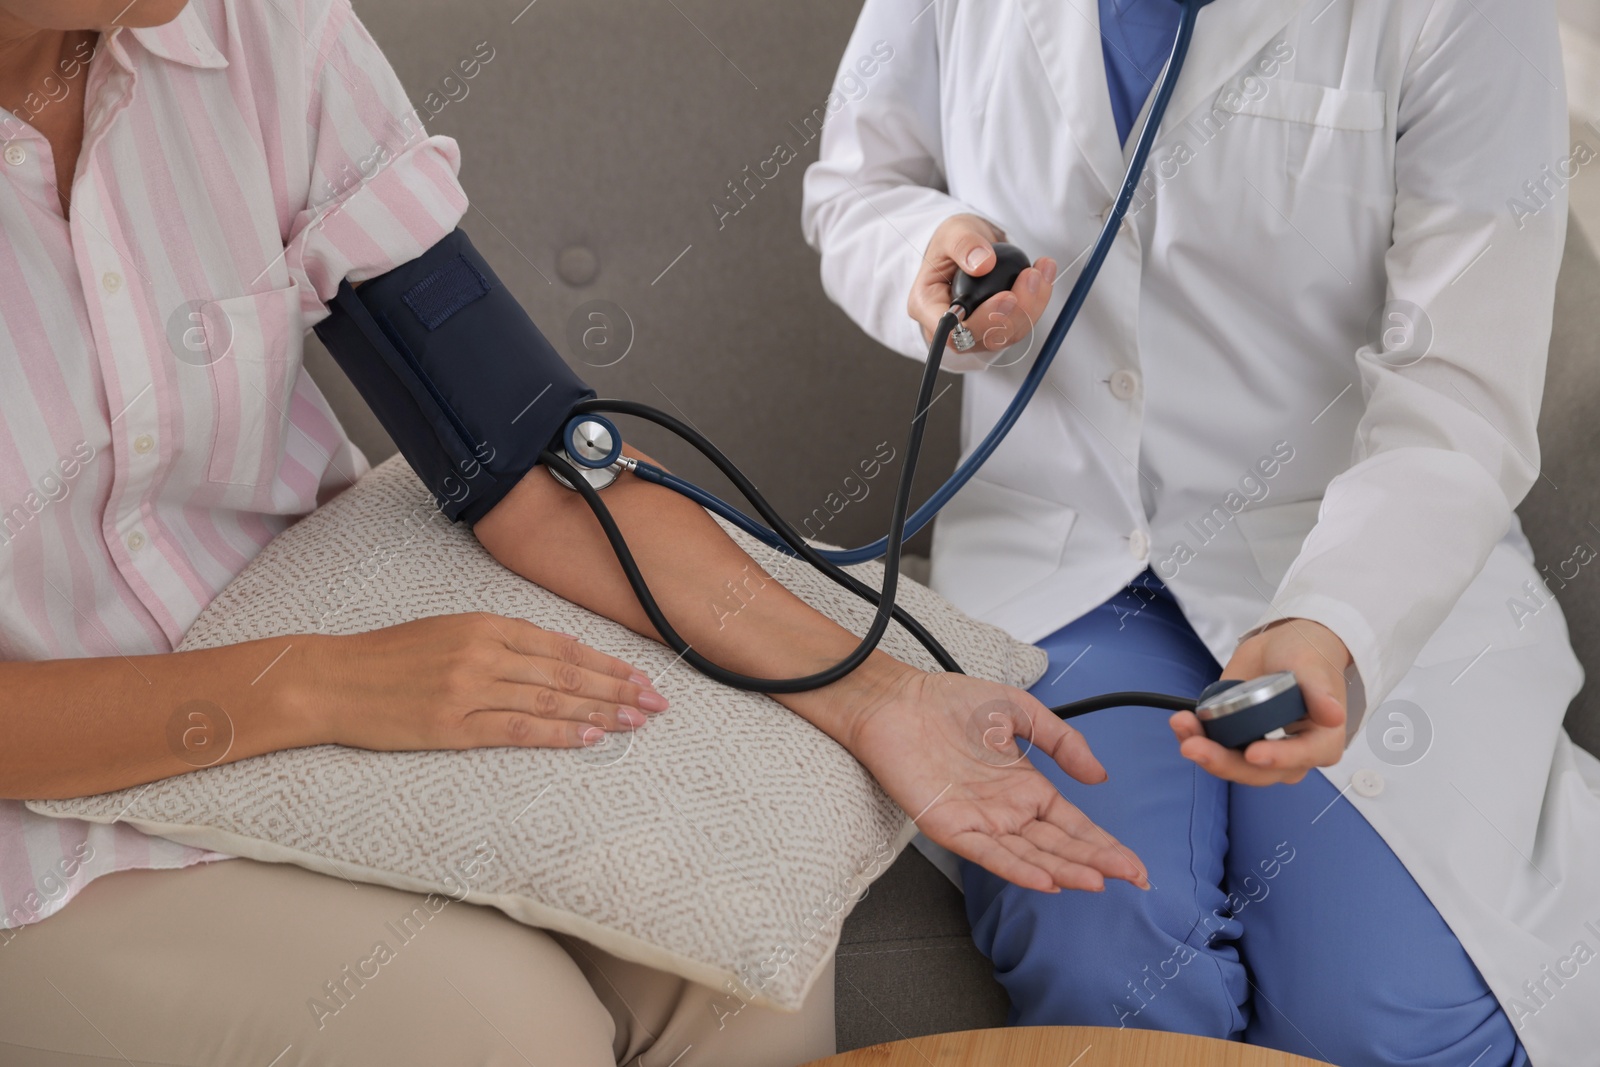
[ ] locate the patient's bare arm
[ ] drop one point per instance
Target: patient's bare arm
(929, 739)
(940, 744)
(73, 727)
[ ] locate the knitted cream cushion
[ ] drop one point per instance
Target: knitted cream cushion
(726, 841)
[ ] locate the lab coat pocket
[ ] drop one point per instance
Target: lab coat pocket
(255, 344)
(1330, 134)
(1274, 535)
(993, 543)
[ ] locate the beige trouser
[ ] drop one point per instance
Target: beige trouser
(245, 964)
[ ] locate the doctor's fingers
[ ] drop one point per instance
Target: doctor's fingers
(1010, 318)
(1230, 765)
(1004, 320)
(967, 242)
(961, 241)
(1308, 745)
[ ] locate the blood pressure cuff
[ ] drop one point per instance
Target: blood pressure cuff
(455, 370)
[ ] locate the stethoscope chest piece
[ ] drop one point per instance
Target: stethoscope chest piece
(592, 441)
(592, 444)
(1235, 714)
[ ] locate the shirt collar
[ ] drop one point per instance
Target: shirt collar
(184, 40)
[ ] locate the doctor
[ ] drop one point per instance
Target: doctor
(1287, 433)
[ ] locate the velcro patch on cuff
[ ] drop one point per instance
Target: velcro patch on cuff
(446, 291)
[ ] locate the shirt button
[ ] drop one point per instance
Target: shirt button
(111, 280)
(135, 541)
(1125, 384)
(143, 443)
(16, 155)
(1367, 783)
(1139, 544)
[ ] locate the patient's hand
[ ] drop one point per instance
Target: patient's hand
(927, 738)
(946, 748)
(472, 680)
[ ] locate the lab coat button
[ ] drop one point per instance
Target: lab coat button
(1125, 384)
(143, 443)
(1139, 544)
(1367, 783)
(111, 281)
(16, 155)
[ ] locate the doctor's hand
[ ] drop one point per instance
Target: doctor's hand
(946, 748)
(1318, 659)
(967, 242)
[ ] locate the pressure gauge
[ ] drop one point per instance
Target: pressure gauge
(1235, 713)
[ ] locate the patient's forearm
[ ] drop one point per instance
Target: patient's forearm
(716, 597)
(72, 727)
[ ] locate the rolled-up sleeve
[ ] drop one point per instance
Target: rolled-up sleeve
(380, 191)
(1447, 446)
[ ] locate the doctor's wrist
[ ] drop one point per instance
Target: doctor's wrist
(1327, 643)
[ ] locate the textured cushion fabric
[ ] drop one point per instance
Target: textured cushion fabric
(726, 841)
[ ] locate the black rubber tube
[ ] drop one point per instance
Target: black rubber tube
(891, 562)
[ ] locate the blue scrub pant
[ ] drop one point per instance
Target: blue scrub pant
(1277, 916)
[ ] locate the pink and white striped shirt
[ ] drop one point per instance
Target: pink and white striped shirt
(156, 426)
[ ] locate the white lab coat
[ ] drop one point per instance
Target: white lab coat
(1219, 414)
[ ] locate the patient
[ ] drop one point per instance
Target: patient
(177, 189)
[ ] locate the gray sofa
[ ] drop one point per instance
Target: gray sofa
(598, 143)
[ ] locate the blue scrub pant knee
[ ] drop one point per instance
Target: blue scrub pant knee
(1276, 916)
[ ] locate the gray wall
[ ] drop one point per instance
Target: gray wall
(1584, 14)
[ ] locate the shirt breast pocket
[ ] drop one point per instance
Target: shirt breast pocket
(1334, 136)
(255, 345)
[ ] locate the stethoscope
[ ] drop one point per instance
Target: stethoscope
(1232, 713)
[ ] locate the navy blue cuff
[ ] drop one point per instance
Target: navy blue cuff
(456, 372)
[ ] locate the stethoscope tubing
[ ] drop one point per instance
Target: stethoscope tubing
(885, 602)
(793, 542)
(780, 535)
(1047, 353)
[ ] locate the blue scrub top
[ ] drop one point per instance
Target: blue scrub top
(1136, 38)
